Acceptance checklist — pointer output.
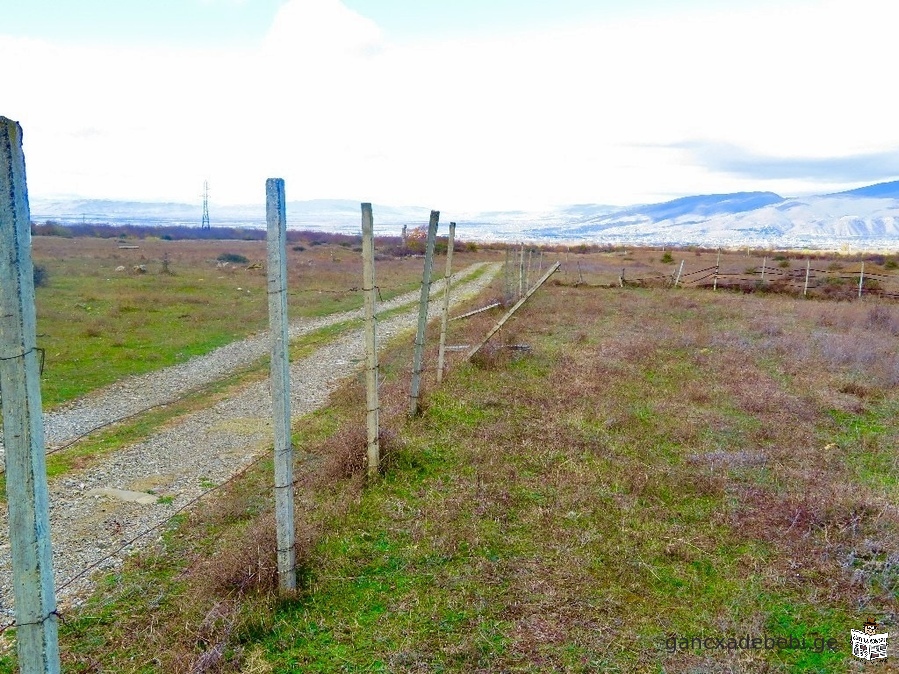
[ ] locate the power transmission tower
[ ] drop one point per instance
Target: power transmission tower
(205, 223)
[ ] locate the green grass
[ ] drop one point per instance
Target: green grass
(572, 508)
(97, 325)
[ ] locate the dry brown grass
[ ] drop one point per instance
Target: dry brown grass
(659, 462)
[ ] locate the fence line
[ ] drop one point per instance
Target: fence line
(803, 280)
(142, 534)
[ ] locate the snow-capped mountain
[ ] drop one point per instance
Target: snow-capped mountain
(866, 218)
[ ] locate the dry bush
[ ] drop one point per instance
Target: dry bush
(247, 562)
(884, 318)
(492, 356)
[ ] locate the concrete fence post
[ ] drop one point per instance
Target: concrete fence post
(717, 267)
(447, 283)
(23, 427)
(861, 280)
(276, 219)
(521, 272)
(372, 406)
(418, 354)
(679, 272)
(808, 267)
(507, 277)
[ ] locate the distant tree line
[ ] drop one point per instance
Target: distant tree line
(392, 245)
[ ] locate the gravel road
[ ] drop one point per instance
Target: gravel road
(202, 449)
(137, 394)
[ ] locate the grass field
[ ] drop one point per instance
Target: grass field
(660, 465)
(98, 325)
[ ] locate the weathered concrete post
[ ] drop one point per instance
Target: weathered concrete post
(521, 272)
(23, 426)
(447, 282)
(507, 279)
(418, 354)
(280, 372)
(679, 272)
(717, 267)
(808, 267)
(861, 280)
(371, 341)
(527, 269)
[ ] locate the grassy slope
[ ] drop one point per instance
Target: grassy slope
(661, 464)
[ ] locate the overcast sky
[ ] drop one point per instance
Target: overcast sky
(453, 104)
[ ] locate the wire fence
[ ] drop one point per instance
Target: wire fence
(390, 364)
(827, 283)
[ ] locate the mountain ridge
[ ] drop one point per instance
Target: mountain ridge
(862, 217)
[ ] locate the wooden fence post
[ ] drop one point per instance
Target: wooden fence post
(37, 632)
(276, 219)
(447, 282)
(861, 280)
(764, 264)
(372, 406)
(418, 354)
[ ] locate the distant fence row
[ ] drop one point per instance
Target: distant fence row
(808, 281)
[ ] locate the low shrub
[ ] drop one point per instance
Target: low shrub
(234, 258)
(40, 275)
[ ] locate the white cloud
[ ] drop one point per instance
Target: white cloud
(521, 120)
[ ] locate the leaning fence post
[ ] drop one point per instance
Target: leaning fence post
(418, 354)
(861, 280)
(28, 497)
(371, 341)
(276, 219)
(679, 272)
(447, 281)
(496, 328)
